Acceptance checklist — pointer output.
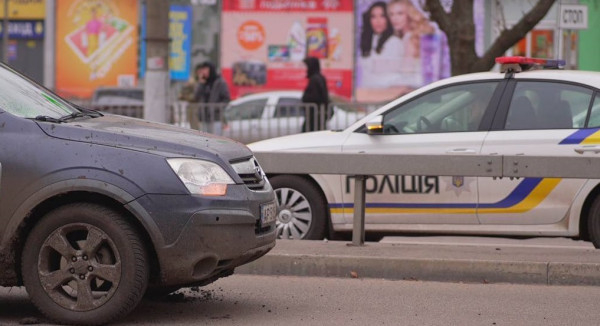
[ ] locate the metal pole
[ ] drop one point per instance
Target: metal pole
(156, 83)
(559, 52)
(358, 230)
(49, 45)
(5, 33)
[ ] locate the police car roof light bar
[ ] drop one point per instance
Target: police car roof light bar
(518, 64)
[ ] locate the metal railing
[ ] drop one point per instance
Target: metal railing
(250, 123)
(362, 165)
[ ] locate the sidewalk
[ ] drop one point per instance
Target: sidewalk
(449, 260)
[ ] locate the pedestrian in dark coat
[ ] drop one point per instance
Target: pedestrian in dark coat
(315, 93)
(212, 88)
(212, 93)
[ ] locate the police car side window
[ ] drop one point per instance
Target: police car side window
(595, 113)
(547, 105)
(450, 109)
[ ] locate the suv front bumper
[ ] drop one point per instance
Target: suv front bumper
(201, 237)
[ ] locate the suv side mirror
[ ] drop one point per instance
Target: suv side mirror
(375, 126)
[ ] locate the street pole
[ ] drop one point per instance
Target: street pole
(156, 83)
(5, 33)
(49, 44)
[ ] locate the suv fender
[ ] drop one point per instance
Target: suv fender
(77, 185)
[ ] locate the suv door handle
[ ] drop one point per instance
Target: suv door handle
(461, 151)
(583, 149)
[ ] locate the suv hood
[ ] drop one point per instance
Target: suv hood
(141, 135)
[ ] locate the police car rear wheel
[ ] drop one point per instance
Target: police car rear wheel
(302, 209)
(594, 223)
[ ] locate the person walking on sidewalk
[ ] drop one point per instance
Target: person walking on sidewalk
(212, 93)
(315, 93)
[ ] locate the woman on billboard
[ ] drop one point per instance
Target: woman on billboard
(378, 46)
(409, 24)
(424, 58)
(414, 55)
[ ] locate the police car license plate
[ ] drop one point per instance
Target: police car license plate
(268, 213)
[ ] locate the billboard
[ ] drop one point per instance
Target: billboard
(398, 48)
(96, 45)
(180, 34)
(265, 41)
(24, 9)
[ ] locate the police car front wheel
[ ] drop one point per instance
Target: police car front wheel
(302, 209)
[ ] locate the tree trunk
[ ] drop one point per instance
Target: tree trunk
(460, 30)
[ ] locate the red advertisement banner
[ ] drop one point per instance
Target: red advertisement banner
(264, 50)
(288, 5)
(338, 81)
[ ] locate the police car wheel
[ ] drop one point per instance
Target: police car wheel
(302, 209)
(594, 223)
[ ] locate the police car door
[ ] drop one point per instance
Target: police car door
(446, 120)
(541, 118)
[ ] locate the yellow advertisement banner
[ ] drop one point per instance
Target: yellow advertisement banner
(96, 45)
(24, 9)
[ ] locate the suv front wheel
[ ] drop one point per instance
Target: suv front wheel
(84, 264)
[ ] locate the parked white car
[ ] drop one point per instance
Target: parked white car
(278, 113)
(537, 112)
(118, 96)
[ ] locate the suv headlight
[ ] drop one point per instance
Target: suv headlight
(201, 177)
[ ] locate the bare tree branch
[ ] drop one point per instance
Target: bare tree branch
(460, 30)
(511, 36)
(434, 7)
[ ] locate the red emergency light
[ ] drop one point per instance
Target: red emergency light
(518, 63)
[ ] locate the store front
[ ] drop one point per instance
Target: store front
(546, 40)
(26, 37)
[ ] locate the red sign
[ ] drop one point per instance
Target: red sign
(267, 47)
(288, 5)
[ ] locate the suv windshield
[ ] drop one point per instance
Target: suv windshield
(24, 98)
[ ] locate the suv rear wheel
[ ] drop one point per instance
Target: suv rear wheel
(84, 264)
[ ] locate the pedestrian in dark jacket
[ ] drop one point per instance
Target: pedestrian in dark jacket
(315, 93)
(212, 88)
(211, 92)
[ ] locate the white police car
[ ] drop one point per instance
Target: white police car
(534, 112)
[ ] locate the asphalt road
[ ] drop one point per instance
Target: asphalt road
(263, 300)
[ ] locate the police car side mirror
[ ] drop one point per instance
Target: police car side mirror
(375, 126)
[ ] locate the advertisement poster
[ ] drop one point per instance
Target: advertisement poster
(180, 33)
(270, 38)
(398, 49)
(24, 9)
(96, 45)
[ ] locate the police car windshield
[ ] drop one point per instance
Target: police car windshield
(24, 98)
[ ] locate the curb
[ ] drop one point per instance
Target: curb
(442, 270)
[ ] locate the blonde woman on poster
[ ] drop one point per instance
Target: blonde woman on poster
(409, 24)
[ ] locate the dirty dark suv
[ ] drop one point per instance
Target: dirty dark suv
(96, 209)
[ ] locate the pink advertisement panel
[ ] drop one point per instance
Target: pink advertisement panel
(264, 42)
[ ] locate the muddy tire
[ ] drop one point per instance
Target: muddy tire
(84, 264)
